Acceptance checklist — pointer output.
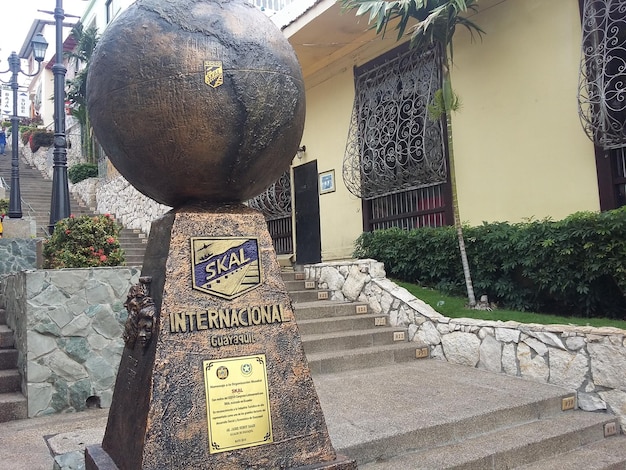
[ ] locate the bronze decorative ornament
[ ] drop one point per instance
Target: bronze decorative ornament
(141, 319)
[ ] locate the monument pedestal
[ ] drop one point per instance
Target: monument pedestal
(222, 382)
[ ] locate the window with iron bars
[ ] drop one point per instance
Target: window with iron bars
(275, 204)
(395, 157)
(602, 94)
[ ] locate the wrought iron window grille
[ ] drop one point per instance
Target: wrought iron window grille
(275, 201)
(393, 145)
(602, 77)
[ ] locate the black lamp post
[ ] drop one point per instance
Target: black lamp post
(39, 45)
(60, 203)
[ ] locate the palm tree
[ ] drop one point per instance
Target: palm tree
(430, 22)
(86, 40)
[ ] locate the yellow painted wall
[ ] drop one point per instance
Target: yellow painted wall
(329, 105)
(520, 149)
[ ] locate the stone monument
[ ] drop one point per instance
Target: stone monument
(200, 105)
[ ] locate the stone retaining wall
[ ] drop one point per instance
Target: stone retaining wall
(17, 254)
(68, 326)
(133, 209)
(590, 361)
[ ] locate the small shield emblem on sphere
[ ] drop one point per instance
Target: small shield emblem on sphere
(225, 267)
(213, 73)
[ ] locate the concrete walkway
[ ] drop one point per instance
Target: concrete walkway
(361, 408)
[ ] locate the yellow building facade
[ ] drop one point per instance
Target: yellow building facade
(520, 150)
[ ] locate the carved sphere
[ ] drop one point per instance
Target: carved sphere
(196, 100)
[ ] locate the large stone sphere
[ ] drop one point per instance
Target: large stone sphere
(196, 100)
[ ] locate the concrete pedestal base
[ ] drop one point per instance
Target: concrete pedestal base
(97, 458)
(223, 383)
(18, 228)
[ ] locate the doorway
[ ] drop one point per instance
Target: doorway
(307, 212)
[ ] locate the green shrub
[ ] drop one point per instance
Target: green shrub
(82, 171)
(40, 138)
(85, 241)
(576, 266)
(4, 206)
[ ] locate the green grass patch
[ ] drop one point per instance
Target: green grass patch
(454, 307)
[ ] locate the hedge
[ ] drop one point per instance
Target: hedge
(576, 266)
(82, 171)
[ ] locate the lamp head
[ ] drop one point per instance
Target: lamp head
(40, 45)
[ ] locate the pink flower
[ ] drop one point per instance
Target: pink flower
(67, 231)
(103, 258)
(71, 216)
(110, 240)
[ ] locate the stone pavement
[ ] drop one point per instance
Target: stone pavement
(362, 408)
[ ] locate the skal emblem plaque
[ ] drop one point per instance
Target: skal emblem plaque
(225, 267)
(213, 73)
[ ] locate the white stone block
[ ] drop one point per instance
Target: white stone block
(532, 366)
(428, 334)
(507, 335)
(490, 354)
(568, 369)
(590, 402)
(461, 348)
(608, 365)
(509, 359)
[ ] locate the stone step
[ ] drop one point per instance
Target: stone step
(300, 285)
(13, 406)
(607, 454)
(134, 263)
(8, 359)
(350, 324)
(289, 275)
(361, 358)
(390, 411)
(504, 447)
(348, 340)
(133, 239)
(131, 250)
(10, 381)
(328, 309)
(6, 337)
(309, 295)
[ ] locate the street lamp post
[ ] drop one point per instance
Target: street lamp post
(60, 202)
(15, 67)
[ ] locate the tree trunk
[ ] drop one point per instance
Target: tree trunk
(455, 202)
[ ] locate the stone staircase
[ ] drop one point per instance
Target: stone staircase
(12, 402)
(465, 418)
(36, 192)
(339, 336)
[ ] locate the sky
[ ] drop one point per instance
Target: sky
(17, 17)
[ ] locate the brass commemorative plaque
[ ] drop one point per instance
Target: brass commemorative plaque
(238, 405)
